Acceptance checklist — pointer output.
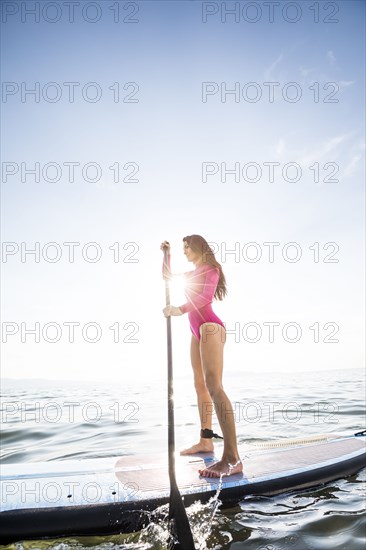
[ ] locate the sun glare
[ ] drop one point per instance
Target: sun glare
(177, 285)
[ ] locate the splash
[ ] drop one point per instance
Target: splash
(210, 509)
(201, 517)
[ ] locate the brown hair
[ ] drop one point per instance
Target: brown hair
(200, 246)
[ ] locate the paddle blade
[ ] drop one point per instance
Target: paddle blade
(180, 528)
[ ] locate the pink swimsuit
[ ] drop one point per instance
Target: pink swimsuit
(200, 288)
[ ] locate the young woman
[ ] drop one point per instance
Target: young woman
(202, 285)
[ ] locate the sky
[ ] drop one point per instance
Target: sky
(152, 120)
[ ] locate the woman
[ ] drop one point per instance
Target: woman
(202, 285)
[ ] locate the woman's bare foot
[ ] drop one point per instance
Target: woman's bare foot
(222, 467)
(204, 446)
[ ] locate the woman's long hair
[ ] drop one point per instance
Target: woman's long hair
(200, 246)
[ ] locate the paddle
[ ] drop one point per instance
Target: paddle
(177, 513)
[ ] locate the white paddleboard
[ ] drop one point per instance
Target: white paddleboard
(114, 495)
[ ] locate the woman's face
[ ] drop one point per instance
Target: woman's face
(189, 254)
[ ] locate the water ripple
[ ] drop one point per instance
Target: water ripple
(39, 424)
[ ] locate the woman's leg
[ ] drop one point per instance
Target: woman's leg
(204, 401)
(212, 343)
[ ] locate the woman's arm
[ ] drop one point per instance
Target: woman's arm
(205, 297)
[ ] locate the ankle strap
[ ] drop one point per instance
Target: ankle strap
(209, 434)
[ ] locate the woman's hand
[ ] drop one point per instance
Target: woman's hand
(165, 246)
(172, 311)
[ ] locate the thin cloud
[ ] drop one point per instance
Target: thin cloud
(280, 148)
(357, 156)
(268, 72)
(332, 143)
(331, 57)
(304, 72)
(328, 146)
(352, 165)
(346, 83)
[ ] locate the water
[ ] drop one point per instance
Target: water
(46, 421)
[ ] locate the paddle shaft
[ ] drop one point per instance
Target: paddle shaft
(171, 439)
(177, 510)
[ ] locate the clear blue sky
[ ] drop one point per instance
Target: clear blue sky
(168, 133)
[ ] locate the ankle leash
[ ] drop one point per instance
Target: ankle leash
(209, 434)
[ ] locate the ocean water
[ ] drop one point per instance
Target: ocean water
(44, 420)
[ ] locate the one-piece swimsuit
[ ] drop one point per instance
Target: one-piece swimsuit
(200, 288)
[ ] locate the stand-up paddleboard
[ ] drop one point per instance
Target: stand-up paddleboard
(114, 495)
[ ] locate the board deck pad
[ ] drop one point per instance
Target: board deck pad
(257, 466)
(111, 494)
